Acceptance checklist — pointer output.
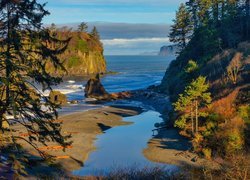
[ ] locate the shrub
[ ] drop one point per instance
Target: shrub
(244, 112)
(180, 123)
(207, 152)
(234, 141)
(197, 142)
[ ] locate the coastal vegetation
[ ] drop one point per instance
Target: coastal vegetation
(84, 54)
(24, 53)
(212, 71)
(208, 85)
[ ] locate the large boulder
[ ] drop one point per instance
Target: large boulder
(58, 98)
(95, 89)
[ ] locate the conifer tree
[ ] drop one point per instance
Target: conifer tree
(182, 28)
(188, 104)
(24, 54)
(95, 34)
(83, 27)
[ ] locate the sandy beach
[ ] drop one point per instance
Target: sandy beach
(167, 147)
(171, 148)
(84, 127)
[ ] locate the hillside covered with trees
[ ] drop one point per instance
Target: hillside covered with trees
(209, 82)
(84, 54)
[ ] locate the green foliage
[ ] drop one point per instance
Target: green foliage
(181, 122)
(194, 97)
(82, 46)
(244, 112)
(73, 61)
(182, 27)
(83, 27)
(234, 141)
(25, 50)
(95, 34)
(207, 152)
(211, 125)
(191, 67)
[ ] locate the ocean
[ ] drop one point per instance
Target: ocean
(134, 72)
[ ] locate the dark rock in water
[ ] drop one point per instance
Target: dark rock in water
(58, 98)
(95, 89)
(74, 102)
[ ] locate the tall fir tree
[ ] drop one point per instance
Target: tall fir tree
(24, 54)
(95, 34)
(182, 28)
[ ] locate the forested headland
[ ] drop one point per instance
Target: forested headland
(209, 82)
(84, 54)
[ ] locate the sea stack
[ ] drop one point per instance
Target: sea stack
(95, 89)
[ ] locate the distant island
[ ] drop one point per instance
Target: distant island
(169, 50)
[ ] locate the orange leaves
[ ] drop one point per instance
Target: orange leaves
(225, 106)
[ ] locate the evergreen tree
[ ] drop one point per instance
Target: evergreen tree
(95, 34)
(192, 6)
(194, 97)
(24, 54)
(182, 28)
(83, 27)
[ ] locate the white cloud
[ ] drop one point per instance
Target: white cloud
(134, 46)
(111, 42)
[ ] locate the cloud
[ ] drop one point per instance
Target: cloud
(126, 30)
(126, 42)
(134, 46)
(128, 38)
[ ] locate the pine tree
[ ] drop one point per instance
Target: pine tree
(188, 104)
(24, 54)
(192, 6)
(95, 34)
(83, 27)
(182, 28)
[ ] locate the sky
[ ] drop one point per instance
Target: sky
(126, 26)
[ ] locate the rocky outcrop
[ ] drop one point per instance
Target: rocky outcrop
(170, 50)
(57, 97)
(83, 56)
(95, 89)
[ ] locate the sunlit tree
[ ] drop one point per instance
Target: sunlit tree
(24, 54)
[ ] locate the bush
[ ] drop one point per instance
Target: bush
(180, 123)
(197, 142)
(244, 112)
(234, 141)
(207, 152)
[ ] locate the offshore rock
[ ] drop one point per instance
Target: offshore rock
(95, 89)
(58, 98)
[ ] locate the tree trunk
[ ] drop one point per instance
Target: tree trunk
(196, 117)
(192, 119)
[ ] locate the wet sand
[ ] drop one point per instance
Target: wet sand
(84, 127)
(171, 148)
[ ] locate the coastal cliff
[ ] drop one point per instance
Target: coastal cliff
(168, 50)
(83, 56)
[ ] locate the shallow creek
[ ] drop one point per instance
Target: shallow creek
(122, 147)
